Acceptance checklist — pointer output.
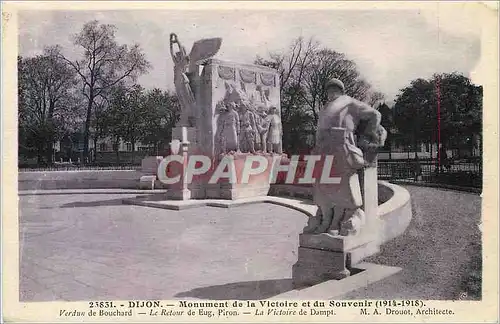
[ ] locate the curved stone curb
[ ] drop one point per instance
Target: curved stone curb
(149, 201)
(48, 192)
(335, 289)
(395, 213)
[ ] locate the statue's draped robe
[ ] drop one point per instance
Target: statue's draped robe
(184, 93)
(335, 136)
(227, 124)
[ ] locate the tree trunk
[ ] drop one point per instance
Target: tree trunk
(87, 125)
(133, 151)
(415, 146)
(95, 150)
(117, 153)
(49, 151)
(40, 153)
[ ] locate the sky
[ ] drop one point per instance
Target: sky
(390, 47)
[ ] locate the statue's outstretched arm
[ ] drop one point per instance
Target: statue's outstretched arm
(173, 40)
(368, 113)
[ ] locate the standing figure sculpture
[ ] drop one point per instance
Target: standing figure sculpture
(262, 129)
(186, 73)
(182, 81)
(274, 131)
(227, 132)
(339, 205)
(248, 128)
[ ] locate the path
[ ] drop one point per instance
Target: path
(91, 247)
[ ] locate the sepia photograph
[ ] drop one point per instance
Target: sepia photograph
(250, 157)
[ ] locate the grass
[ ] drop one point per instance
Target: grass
(440, 253)
(471, 283)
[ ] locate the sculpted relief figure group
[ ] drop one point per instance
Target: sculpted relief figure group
(247, 125)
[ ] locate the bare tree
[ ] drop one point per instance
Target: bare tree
(376, 99)
(292, 66)
(104, 64)
(304, 70)
(325, 65)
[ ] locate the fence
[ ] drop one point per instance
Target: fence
(79, 167)
(463, 173)
(454, 172)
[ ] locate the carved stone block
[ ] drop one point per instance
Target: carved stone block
(315, 266)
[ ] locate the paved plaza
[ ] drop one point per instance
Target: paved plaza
(92, 247)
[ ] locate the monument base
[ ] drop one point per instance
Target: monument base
(178, 194)
(147, 182)
(239, 191)
(324, 257)
(185, 134)
(149, 169)
(149, 164)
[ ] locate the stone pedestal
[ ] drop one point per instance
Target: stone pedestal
(147, 182)
(251, 185)
(149, 169)
(315, 266)
(188, 136)
(183, 143)
(324, 256)
(149, 165)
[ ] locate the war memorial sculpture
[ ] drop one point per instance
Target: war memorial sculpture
(226, 109)
(232, 110)
(266, 192)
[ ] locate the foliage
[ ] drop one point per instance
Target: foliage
(460, 110)
(94, 97)
(134, 114)
(104, 64)
(162, 111)
(47, 103)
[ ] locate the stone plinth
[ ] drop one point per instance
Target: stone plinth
(149, 165)
(188, 135)
(249, 185)
(183, 143)
(325, 256)
(329, 257)
(147, 182)
(315, 266)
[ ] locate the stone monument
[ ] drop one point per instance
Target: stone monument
(345, 227)
(228, 110)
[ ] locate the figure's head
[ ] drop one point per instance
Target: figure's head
(231, 106)
(221, 107)
(181, 59)
(334, 88)
(273, 110)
